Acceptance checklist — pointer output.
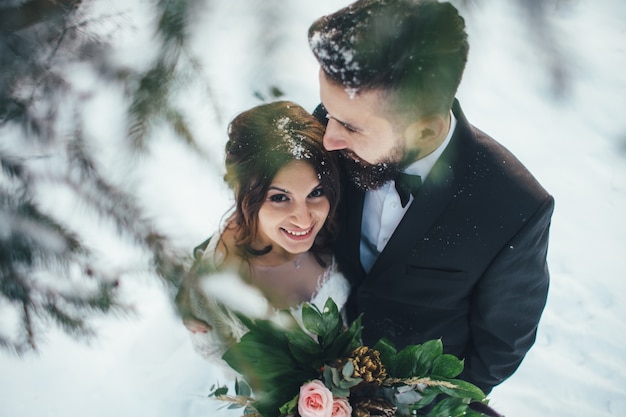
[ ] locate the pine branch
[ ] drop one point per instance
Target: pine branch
(46, 272)
(33, 12)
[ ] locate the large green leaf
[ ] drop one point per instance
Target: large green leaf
(464, 389)
(447, 366)
(426, 355)
(304, 349)
(387, 352)
(344, 343)
(327, 325)
(449, 407)
(406, 362)
(332, 324)
(312, 319)
(428, 396)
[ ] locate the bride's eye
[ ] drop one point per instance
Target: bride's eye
(318, 192)
(278, 198)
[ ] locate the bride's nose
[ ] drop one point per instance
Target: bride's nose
(301, 215)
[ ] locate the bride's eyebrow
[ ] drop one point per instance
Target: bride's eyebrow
(273, 187)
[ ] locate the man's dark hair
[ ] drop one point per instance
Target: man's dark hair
(414, 51)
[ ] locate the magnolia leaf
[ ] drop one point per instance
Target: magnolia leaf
(312, 319)
(327, 325)
(332, 324)
(267, 364)
(406, 362)
(331, 309)
(426, 355)
(428, 396)
(449, 407)
(344, 343)
(463, 389)
(447, 366)
(304, 348)
(472, 413)
(387, 352)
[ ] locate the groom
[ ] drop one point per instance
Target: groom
(461, 257)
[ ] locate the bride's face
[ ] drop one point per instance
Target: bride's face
(294, 210)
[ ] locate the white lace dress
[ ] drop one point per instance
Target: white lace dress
(215, 297)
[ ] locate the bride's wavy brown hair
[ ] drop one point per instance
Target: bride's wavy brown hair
(262, 141)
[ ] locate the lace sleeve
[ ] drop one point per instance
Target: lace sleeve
(205, 306)
(226, 327)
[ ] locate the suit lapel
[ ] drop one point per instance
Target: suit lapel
(433, 197)
(347, 245)
(354, 216)
(424, 210)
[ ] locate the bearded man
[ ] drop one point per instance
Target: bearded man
(444, 233)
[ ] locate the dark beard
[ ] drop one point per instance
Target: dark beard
(366, 176)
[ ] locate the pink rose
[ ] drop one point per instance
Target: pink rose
(315, 400)
(341, 408)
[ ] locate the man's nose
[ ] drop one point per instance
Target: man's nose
(334, 139)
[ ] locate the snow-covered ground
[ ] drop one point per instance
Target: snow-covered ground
(145, 365)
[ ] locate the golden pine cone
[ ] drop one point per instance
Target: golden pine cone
(367, 365)
(373, 407)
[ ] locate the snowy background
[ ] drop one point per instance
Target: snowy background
(144, 365)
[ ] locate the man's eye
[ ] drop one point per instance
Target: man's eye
(318, 192)
(278, 198)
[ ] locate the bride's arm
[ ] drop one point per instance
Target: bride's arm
(183, 303)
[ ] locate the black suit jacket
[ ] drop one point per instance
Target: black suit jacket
(466, 264)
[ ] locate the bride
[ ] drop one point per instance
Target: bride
(277, 239)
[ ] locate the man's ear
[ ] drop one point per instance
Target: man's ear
(427, 131)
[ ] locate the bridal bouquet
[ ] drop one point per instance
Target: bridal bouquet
(332, 375)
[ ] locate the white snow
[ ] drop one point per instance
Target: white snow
(144, 365)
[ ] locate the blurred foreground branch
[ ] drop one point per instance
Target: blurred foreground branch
(48, 274)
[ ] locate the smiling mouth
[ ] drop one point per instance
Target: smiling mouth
(301, 234)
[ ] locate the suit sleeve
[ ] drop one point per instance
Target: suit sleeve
(508, 302)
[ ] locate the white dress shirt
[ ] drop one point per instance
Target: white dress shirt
(382, 210)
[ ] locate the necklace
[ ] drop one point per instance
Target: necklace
(296, 261)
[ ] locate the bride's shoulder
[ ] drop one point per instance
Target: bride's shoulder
(219, 250)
